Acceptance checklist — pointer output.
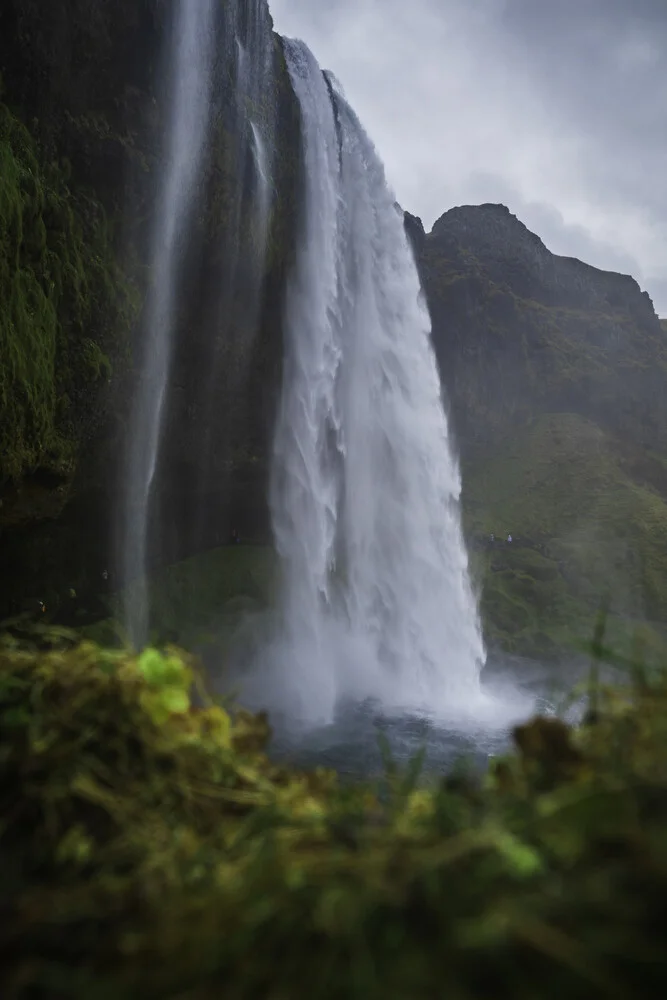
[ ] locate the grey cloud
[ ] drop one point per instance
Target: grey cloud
(657, 289)
(548, 222)
(575, 241)
(558, 109)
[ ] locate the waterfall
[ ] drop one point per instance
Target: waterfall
(263, 193)
(192, 42)
(365, 488)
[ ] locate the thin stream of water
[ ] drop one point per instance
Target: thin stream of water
(192, 41)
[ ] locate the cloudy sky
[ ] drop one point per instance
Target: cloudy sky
(556, 108)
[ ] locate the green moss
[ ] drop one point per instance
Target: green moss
(66, 307)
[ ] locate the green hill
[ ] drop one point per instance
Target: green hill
(583, 528)
(556, 377)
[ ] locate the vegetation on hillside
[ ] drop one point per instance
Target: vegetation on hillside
(66, 307)
(584, 526)
(555, 374)
(149, 848)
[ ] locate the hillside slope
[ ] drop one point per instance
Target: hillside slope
(556, 376)
(583, 529)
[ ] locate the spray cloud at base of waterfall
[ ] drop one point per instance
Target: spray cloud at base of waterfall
(192, 41)
(376, 599)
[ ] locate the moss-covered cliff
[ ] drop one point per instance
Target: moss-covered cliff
(78, 139)
(67, 308)
(82, 127)
(556, 375)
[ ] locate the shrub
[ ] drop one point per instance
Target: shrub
(150, 848)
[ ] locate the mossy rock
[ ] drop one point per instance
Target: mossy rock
(67, 308)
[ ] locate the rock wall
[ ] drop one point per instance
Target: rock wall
(556, 377)
(82, 123)
(519, 331)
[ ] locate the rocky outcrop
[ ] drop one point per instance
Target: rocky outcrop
(519, 331)
(414, 227)
(515, 257)
(77, 125)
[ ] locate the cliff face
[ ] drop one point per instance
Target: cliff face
(519, 331)
(83, 117)
(556, 376)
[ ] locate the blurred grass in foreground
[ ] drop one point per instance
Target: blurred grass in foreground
(149, 848)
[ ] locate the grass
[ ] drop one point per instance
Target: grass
(560, 484)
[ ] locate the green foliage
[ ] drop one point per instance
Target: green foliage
(65, 306)
(157, 854)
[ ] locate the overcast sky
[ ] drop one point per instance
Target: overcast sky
(556, 108)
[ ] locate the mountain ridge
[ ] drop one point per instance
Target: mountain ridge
(549, 364)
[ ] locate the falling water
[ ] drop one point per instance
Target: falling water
(365, 491)
(263, 195)
(190, 99)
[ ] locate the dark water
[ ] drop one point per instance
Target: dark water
(518, 689)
